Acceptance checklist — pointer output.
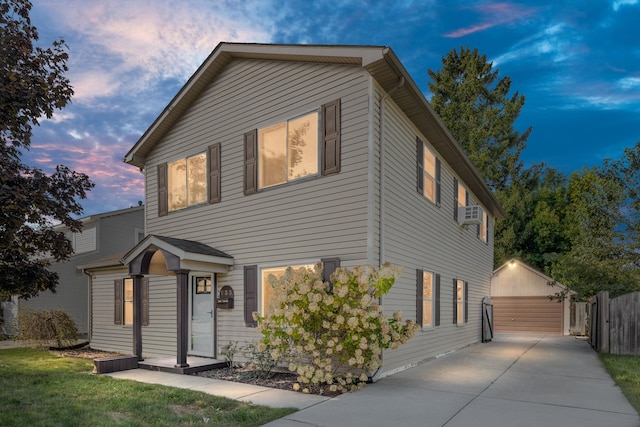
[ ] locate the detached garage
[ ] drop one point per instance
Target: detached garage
(521, 304)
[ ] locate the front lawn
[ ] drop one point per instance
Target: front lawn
(40, 388)
(625, 371)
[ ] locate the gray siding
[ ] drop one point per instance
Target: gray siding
(421, 235)
(114, 232)
(306, 220)
(106, 335)
(321, 216)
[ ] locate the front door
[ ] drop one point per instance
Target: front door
(202, 316)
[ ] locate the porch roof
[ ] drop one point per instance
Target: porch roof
(166, 255)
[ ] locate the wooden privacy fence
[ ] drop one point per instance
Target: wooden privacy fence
(615, 324)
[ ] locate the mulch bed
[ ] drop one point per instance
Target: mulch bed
(279, 380)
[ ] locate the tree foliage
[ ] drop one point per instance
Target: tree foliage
(476, 106)
(33, 86)
(602, 227)
(582, 230)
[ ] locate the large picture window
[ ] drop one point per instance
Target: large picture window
(187, 182)
(267, 292)
(288, 151)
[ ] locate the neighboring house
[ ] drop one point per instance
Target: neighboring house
(285, 155)
(521, 303)
(102, 234)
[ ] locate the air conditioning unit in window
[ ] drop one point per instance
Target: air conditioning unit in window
(469, 215)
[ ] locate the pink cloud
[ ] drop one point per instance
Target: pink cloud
(494, 14)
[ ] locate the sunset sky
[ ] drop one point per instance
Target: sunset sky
(577, 64)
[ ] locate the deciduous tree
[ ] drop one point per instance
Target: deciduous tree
(32, 86)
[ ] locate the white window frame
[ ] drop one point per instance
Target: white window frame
(127, 302)
(262, 279)
(460, 291)
(484, 227)
(170, 190)
(428, 177)
(430, 300)
(287, 177)
(462, 195)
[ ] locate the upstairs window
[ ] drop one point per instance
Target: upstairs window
(187, 182)
(482, 227)
(428, 170)
(293, 149)
(460, 197)
(288, 151)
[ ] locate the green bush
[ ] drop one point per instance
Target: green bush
(45, 326)
(332, 335)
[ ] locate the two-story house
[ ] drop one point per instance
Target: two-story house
(285, 155)
(102, 234)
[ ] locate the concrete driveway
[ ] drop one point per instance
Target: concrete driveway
(515, 380)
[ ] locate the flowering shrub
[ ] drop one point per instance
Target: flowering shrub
(332, 335)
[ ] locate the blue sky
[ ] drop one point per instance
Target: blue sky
(576, 62)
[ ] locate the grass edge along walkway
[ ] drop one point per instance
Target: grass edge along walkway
(40, 388)
(625, 371)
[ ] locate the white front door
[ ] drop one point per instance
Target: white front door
(202, 315)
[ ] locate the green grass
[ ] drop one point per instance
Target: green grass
(38, 388)
(625, 371)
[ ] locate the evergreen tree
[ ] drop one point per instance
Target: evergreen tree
(475, 105)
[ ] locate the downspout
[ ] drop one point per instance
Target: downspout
(89, 305)
(382, 207)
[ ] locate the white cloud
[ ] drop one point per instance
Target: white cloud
(552, 43)
(617, 4)
(123, 47)
(629, 83)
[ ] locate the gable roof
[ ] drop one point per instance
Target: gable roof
(380, 61)
(534, 270)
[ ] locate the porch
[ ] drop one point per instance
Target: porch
(168, 364)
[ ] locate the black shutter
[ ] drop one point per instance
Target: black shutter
(163, 193)
(466, 302)
(419, 166)
(419, 296)
(145, 301)
(117, 301)
(437, 297)
(251, 162)
(455, 302)
(438, 180)
(455, 199)
(330, 123)
(329, 265)
(214, 173)
(250, 294)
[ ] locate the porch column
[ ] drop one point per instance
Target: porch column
(137, 315)
(182, 317)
